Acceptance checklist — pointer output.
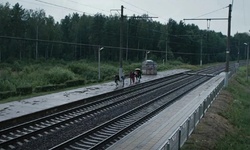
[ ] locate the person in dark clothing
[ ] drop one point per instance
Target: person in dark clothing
(132, 77)
(116, 79)
(138, 75)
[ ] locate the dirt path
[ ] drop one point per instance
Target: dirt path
(213, 125)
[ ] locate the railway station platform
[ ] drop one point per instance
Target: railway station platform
(162, 132)
(22, 107)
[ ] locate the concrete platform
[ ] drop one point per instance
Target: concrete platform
(26, 106)
(153, 134)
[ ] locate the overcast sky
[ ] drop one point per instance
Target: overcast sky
(163, 9)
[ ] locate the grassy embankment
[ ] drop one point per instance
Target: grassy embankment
(51, 72)
(226, 123)
(238, 114)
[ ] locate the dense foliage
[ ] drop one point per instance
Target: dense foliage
(30, 34)
(54, 74)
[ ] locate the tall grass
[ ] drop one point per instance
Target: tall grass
(238, 114)
(44, 72)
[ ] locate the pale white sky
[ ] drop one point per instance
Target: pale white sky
(163, 9)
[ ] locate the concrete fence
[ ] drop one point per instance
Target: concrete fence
(181, 134)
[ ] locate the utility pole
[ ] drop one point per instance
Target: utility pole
(247, 59)
(121, 44)
(99, 62)
(201, 53)
(247, 47)
(36, 42)
(127, 42)
(166, 48)
(146, 55)
(238, 48)
(228, 39)
(166, 44)
(228, 45)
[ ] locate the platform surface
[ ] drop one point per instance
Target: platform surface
(156, 131)
(30, 105)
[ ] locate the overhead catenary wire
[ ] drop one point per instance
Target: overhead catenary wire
(144, 10)
(211, 12)
(96, 45)
(73, 1)
(133, 11)
(52, 4)
(70, 43)
(244, 14)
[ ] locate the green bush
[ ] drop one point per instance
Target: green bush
(6, 85)
(108, 71)
(74, 83)
(60, 86)
(45, 88)
(57, 75)
(178, 62)
(7, 94)
(83, 69)
(24, 90)
(77, 68)
(16, 66)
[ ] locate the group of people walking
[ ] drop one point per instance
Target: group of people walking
(135, 77)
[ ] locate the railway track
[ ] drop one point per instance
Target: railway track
(90, 115)
(102, 136)
(17, 135)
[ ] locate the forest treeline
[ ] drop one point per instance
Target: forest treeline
(30, 34)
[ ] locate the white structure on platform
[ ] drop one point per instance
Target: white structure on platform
(149, 67)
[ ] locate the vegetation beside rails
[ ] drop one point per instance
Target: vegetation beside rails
(225, 126)
(22, 78)
(238, 114)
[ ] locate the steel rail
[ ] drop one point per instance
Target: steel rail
(125, 122)
(54, 122)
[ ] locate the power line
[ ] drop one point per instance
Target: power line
(244, 13)
(62, 7)
(70, 43)
(133, 10)
(211, 12)
(143, 9)
(134, 6)
(87, 5)
(92, 45)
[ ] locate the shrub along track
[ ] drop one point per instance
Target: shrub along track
(51, 130)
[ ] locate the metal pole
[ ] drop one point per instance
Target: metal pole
(167, 46)
(238, 58)
(146, 56)
(166, 50)
(121, 43)
(99, 61)
(36, 42)
(228, 45)
(247, 58)
(127, 42)
(201, 53)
